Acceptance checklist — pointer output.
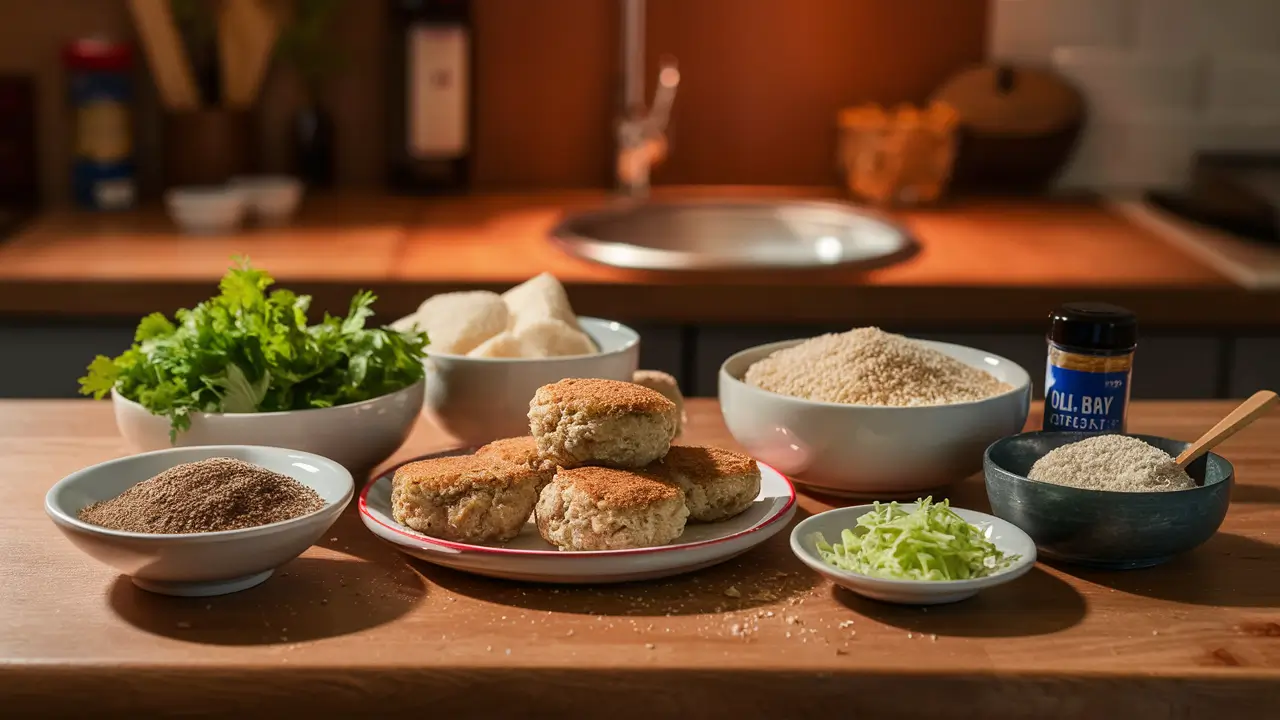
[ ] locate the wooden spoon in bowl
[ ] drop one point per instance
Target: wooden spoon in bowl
(1245, 413)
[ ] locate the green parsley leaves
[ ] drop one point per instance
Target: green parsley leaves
(250, 350)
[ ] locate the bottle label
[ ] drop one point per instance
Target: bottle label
(103, 131)
(438, 87)
(1085, 401)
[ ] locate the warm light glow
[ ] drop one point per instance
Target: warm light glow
(828, 249)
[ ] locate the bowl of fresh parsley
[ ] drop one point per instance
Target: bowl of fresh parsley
(246, 367)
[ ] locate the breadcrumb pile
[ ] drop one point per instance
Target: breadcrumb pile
(867, 366)
(1116, 463)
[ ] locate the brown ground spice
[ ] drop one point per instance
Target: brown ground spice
(205, 496)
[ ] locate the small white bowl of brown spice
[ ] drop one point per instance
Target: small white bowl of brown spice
(867, 413)
(200, 521)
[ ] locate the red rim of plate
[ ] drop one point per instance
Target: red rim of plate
(426, 540)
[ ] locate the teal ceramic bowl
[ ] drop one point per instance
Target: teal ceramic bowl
(1100, 529)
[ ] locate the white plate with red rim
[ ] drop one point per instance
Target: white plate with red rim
(530, 558)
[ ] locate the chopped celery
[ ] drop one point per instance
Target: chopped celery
(931, 542)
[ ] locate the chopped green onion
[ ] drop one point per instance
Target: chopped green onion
(930, 542)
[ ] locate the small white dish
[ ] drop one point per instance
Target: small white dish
(1006, 536)
(197, 564)
(530, 558)
(357, 435)
(478, 400)
(271, 199)
(209, 210)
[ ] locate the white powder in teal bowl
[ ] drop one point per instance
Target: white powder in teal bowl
(1117, 463)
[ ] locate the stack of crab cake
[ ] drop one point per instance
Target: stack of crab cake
(598, 472)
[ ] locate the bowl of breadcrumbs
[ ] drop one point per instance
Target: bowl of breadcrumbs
(868, 413)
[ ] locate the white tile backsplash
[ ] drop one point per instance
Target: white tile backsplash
(1208, 26)
(1123, 86)
(1238, 136)
(1162, 79)
(1244, 86)
(1029, 30)
(1085, 169)
(1016, 32)
(1158, 153)
(1154, 152)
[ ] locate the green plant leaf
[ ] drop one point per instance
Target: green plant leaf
(239, 394)
(251, 349)
(101, 377)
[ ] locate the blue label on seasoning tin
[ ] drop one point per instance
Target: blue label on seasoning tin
(1085, 401)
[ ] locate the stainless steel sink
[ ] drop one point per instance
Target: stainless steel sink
(733, 235)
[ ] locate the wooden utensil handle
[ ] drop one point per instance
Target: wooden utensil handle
(169, 60)
(1243, 415)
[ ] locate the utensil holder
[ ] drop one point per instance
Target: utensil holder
(207, 147)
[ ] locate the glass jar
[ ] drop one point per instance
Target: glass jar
(1090, 364)
(899, 157)
(98, 72)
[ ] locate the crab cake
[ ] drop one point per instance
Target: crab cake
(466, 498)
(596, 508)
(665, 384)
(717, 483)
(601, 422)
(520, 451)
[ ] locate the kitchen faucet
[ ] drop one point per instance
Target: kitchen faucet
(642, 141)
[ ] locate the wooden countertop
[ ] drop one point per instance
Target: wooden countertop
(982, 264)
(352, 626)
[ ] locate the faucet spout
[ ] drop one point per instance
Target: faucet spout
(641, 137)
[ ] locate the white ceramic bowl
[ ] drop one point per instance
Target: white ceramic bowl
(271, 199)
(1005, 535)
(871, 451)
(482, 399)
(206, 210)
(197, 564)
(358, 436)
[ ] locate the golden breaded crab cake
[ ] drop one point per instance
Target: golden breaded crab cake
(521, 450)
(601, 422)
(598, 508)
(717, 483)
(466, 498)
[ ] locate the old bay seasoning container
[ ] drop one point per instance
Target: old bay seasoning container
(1089, 368)
(98, 75)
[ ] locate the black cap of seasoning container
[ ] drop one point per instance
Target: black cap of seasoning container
(1094, 327)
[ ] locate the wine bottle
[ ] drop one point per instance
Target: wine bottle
(431, 99)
